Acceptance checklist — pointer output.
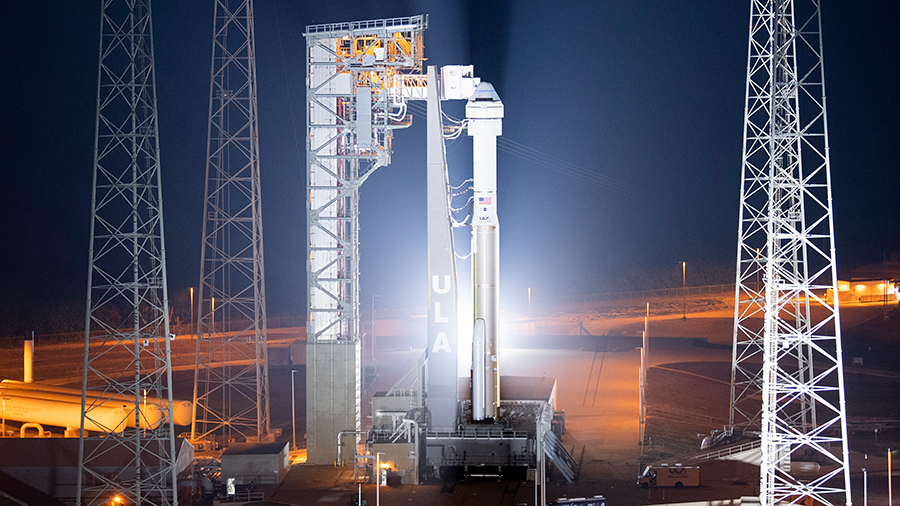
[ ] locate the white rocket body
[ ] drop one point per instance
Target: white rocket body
(484, 111)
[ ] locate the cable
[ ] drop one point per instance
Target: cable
(288, 87)
(470, 180)
(552, 163)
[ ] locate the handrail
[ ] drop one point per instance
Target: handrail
(724, 452)
(414, 22)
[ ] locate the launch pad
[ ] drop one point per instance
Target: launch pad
(480, 449)
(360, 77)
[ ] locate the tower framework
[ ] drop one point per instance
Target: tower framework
(126, 443)
(787, 338)
(355, 78)
(231, 387)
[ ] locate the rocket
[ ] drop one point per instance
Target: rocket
(484, 111)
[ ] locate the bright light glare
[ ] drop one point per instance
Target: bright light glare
(465, 323)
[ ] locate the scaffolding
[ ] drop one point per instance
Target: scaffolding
(787, 376)
(353, 107)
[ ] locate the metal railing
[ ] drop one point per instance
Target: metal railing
(241, 497)
(419, 22)
(724, 452)
(477, 434)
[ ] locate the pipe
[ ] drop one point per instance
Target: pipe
(379, 412)
(339, 461)
(26, 426)
(29, 356)
(416, 451)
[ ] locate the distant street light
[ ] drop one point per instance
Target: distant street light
(683, 291)
(890, 480)
(293, 410)
(865, 486)
(4, 415)
(641, 379)
(378, 478)
(645, 344)
(192, 309)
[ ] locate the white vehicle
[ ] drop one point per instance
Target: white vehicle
(670, 476)
(597, 500)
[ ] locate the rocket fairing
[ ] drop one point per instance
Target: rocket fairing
(484, 111)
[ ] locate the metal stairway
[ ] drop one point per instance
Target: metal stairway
(557, 453)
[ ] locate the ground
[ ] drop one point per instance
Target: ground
(590, 348)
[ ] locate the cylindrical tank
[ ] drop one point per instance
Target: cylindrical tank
(804, 467)
(63, 414)
(181, 410)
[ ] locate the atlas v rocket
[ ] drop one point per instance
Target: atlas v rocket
(484, 111)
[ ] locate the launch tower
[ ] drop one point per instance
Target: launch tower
(129, 412)
(231, 379)
(353, 72)
(787, 336)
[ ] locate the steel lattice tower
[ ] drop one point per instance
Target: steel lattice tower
(127, 400)
(787, 342)
(231, 387)
(354, 84)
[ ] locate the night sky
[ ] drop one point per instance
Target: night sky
(641, 101)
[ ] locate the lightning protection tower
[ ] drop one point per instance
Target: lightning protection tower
(355, 77)
(231, 386)
(787, 341)
(126, 445)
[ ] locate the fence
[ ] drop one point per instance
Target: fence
(646, 294)
(680, 415)
(183, 329)
(877, 298)
(366, 316)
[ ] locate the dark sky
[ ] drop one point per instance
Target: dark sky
(647, 96)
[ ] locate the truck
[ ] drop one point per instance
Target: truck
(597, 500)
(670, 476)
